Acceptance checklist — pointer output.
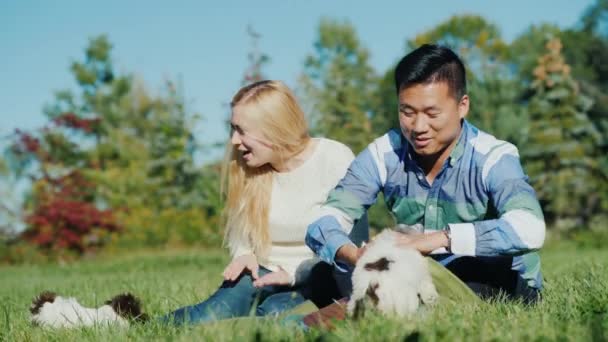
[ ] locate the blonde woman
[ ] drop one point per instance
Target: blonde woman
(277, 178)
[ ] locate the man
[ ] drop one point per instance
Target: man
(467, 189)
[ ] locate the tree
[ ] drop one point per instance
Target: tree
(385, 115)
(585, 50)
(339, 81)
(117, 153)
(10, 212)
(560, 150)
(256, 58)
(471, 36)
(492, 86)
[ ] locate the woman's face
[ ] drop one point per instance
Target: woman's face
(248, 139)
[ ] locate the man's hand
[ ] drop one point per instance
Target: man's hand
(240, 264)
(350, 253)
(280, 277)
(424, 243)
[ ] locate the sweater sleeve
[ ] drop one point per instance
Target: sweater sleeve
(348, 202)
(337, 161)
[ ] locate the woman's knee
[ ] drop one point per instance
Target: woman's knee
(279, 302)
(231, 299)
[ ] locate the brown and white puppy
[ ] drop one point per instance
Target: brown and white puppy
(394, 280)
(53, 311)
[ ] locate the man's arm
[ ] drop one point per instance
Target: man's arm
(349, 253)
(327, 236)
(520, 226)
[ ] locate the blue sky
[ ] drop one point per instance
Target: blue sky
(205, 42)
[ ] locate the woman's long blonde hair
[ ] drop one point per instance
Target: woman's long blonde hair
(274, 108)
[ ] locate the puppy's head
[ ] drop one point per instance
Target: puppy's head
(370, 298)
(127, 306)
(40, 300)
(380, 265)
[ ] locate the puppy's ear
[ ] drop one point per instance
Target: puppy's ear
(360, 304)
(381, 264)
(359, 310)
(371, 293)
(38, 302)
(127, 306)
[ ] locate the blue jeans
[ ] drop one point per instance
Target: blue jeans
(237, 299)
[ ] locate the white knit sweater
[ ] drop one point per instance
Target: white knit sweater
(297, 196)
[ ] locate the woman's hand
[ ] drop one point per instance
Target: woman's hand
(240, 264)
(280, 277)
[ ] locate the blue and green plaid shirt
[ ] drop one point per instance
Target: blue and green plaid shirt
(481, 192)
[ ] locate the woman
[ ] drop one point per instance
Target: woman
(277, 177)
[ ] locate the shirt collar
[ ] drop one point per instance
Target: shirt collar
(458, 150)
(455, 155)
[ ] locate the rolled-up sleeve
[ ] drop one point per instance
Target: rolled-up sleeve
(520, 226)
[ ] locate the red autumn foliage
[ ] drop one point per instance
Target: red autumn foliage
(68, 224)
(26, 143)
(71, 120)
(64, 217)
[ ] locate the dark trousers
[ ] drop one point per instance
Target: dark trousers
(490, 277)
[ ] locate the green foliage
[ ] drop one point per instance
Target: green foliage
(596, 236)
(585, 49)
(493, 90)
(256, 60)
(10, 213)
(21, 252)
(495, 105)
(338, 80)
(378, 215)
(342, 85)
(385, 115)
(470, 36)
(136, 148)
(528, 47)
(561, 145)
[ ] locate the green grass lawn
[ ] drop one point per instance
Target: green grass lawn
(575, 305)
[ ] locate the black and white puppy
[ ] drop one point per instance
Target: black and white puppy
(394, 280)
(53, 311)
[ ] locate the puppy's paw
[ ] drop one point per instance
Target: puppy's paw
(428, 293)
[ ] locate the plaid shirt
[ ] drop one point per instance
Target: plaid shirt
(481, 193)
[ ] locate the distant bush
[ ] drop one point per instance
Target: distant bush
(596, 236)
(146, 228)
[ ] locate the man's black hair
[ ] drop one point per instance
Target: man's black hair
(432, 63)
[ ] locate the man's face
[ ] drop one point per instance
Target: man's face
(430, 116)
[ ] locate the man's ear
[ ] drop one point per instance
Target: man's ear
(463, 106)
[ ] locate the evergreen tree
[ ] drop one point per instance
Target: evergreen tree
(339, 81)
(559, 154)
